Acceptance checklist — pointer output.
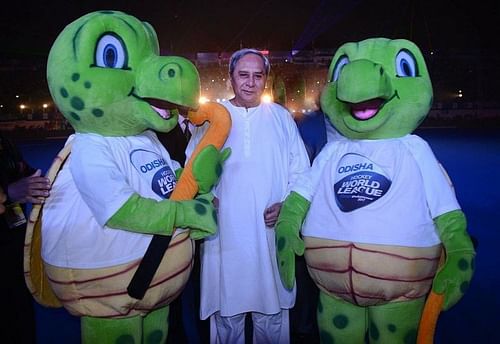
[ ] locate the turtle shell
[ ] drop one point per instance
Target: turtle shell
(101, 292)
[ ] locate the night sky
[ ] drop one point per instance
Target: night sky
(30, 27)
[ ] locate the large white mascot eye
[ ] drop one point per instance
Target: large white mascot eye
(110, 52)
(406, 66)
(342, 61)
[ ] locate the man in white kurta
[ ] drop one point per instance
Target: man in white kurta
(239, 273)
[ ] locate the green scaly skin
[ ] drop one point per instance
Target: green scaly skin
(363, 74)
(106, 77)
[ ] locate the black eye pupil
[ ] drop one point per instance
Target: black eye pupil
(405, 66)
(110, 55)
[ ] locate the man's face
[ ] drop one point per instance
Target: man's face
(248, 81)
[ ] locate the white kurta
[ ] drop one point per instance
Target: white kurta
(378, 192)
(99, 176)
(239, 272)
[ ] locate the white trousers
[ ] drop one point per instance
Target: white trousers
(267, 329)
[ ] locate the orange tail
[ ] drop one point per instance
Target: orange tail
(220, 124)
(429, 319)
(430, 314)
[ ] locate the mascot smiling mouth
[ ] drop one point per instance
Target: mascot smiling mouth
(367, 109)
(166, 109)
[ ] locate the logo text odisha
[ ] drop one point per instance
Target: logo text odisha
(152, 165)
(355, 167)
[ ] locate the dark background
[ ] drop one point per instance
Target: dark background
(30, 27)
(459, 39)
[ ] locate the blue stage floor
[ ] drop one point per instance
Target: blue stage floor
(472, 159)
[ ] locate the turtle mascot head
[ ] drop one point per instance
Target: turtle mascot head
(377, 88)
(106, 77)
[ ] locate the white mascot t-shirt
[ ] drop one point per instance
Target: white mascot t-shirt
(379, 192)
(101, 174)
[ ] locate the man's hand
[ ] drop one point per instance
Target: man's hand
(271, 214)
(33, 189)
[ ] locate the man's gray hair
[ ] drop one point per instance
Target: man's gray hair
(240, 53)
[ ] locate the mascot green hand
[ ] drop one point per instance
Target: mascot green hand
(205, 172)
(382, 208)
(113, 191)
(453, 278)
(288, 241)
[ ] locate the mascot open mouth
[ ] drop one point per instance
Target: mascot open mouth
(367, 109)
(164, 108)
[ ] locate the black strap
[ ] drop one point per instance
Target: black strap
(154, 254)
(147, 268)
(186, 130)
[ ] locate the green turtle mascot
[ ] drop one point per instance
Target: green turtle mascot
(112, 199)
(377, 209)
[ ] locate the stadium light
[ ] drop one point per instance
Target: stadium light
(266, 98)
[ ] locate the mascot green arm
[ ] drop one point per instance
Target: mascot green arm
(454, 276)
(197, 214)
(288, 241)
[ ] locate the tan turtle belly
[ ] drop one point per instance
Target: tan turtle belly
(103, 292)
(366, 274)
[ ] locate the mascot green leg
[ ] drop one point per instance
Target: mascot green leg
(343, 322)
(395, 322)
(151, 329)
(156, 326)
(340, 321)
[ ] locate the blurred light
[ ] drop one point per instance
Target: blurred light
(266, 98)
(264, 52)
(22, 106)
(17, 96)
(203, 100)
(45, 105)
